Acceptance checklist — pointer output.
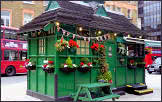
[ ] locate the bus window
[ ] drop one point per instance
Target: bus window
(10, 55)
(23, 55)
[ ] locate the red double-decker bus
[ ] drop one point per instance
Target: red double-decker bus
(13, 51)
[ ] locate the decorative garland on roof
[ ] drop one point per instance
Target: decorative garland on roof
(99, 38)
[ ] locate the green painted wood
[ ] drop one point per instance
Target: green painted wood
(50, 84)
(65, 83)
(93, 85)
(52, 5)
(50, 46)
(41, 81)
(33, 47)
(106, 97)
(32, 79)
(130, 76)
(111, 49)
(48, 26)
(139, 75)
(101, 11)
(120, 76)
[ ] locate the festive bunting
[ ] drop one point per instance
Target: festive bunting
(73, 36)
(99, 38)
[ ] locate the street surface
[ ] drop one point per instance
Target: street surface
(14, 89)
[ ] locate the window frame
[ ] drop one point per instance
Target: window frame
(28, 2)
(9, 17)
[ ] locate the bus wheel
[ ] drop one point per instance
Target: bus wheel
(10, 71)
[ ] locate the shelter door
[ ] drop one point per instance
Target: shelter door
(111, 60)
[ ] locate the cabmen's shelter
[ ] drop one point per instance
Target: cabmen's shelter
(72, 44)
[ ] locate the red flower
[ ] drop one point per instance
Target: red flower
(131, 61)
(73, 43)
(45, 65)
(102, 46)
(89, 64)
(50, 62)
(110, 81)
(81, 63)
(95, 46)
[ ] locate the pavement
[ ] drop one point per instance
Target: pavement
(14, 89)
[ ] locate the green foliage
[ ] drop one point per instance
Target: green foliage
(68, 61)
(105, 76)
(61, 45)
(33, 61)
(84, 60)
(50, 59)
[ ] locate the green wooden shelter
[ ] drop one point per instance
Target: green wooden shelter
(85, 25)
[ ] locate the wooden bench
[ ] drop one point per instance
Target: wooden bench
(86, 87)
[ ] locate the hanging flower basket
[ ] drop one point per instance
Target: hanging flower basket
(72, 51)
(84, 69)
(66, 69)
(33, 67)
(131, 67)
(48, 66)
(72, 47)
(30, 65)
(49, 70)
(68, 66)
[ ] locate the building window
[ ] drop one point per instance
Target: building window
(83, 47)
(129, 13)
(28, 2)
(41, 46)
(5, 17)
(27, 17)
(113, 8)
(45, 3)
(107, 7)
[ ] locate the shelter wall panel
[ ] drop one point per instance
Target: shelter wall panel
(65, 83)
(139, 75)
(33, 47)
(94, 74)
(50, 46)
(120, 76)
(40, 60)
(32, 79)
(81, 78)
(50, 84)
(130, 76)
(41, 80)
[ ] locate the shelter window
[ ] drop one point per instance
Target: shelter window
(41, 46)
(83, 47)
(5, 17)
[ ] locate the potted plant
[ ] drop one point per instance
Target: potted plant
(61, 45)
(30, 64)
(68, 66)
(48, 66)
(73, 46)
(85, 65)
(132, 64)
(105, 77)
(94, 48)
